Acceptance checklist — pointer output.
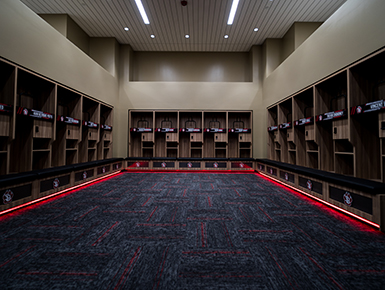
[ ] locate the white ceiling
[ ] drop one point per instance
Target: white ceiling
(204, 20)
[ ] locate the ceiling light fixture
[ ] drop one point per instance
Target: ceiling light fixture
(226, 36)
(256, 29)
(233, 10)
(187, 36)
(126, 28)
(152, 36)
(142, 11)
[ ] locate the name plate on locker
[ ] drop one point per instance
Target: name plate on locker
(368, 107)
(5, 108)
(285, 126)
(191, 130)
(239, 130)
(90, 124)
(166, 130)
(215, 130)
(141, 130)
(331, 115)
(68, 120)
(106, 127)
(34, 113)
(272, 128)
(304, 121)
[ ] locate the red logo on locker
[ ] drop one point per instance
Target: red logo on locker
(25, 112)
(286, 176)
(348, 199)
(84, 175)
(7, 196)
(137, 164)
(164, 164)
(56, 183)
(215, 165)
(189, 165)
(104, 169)
(241, 165)
(309, 185)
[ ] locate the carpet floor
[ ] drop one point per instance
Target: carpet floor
(187, 231)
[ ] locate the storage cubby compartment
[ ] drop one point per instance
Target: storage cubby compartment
(272, 123)
(312, 159)
(245, 153)
(292, 157)
(41, 159)
(105, 144)
(344, 164)
(3, 144)
(71, 144)
(141, 125)
(291, 146)
(343, 146)
(71, 156)
(240, 128)
(215, 131)
(172, 153)
(3, 162)
(34, 92)
(148, 152)
(41, 144)
(220, 153)
(367, 81)
(311, 146)
(196, 152)
(90, 128)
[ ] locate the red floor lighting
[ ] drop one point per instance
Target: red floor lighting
(12, 209)
(321, 201)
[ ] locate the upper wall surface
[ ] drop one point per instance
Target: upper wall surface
(191, 66)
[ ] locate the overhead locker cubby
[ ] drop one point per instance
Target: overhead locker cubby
(35, 122)
(141, 137)
(332, 125)
(90, 130)
(240, 136)
(190, 134)
(105, 140)
(166, 134)
(367, 94)
(68, 127)
(215, 134)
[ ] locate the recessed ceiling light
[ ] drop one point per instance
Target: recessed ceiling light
(152, 36)
(226, 36)
(256, 29)
(233, 10)
(126, 28)
(142, 11)
(187, 36)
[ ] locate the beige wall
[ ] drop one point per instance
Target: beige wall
(77, 35)
(303, 30)
(57, 21)
(105, 51)
(191, 67)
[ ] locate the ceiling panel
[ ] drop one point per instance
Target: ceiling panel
(204, 20)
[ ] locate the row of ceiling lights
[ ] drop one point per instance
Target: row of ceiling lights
(230, 20)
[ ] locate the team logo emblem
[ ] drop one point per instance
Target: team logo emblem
(271, 170)
(117, 166)
(348, 199)
(189, 165)
(164, 164)
(7, 196)
(286, 176)
(359, 110)
(62, 118)
(56, 183)
(241, 165)
(309, 185)
(104, 169)
(84, 175)
(25, 112)
(296, 123)
(320, 117)
(137, 164)
(215, 165)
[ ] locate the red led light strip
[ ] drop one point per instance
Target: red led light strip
(131, 170)
(55, 194)
(322, 201)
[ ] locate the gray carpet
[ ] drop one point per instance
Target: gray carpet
(187, 231)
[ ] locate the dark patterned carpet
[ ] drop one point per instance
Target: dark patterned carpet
(187, 231)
